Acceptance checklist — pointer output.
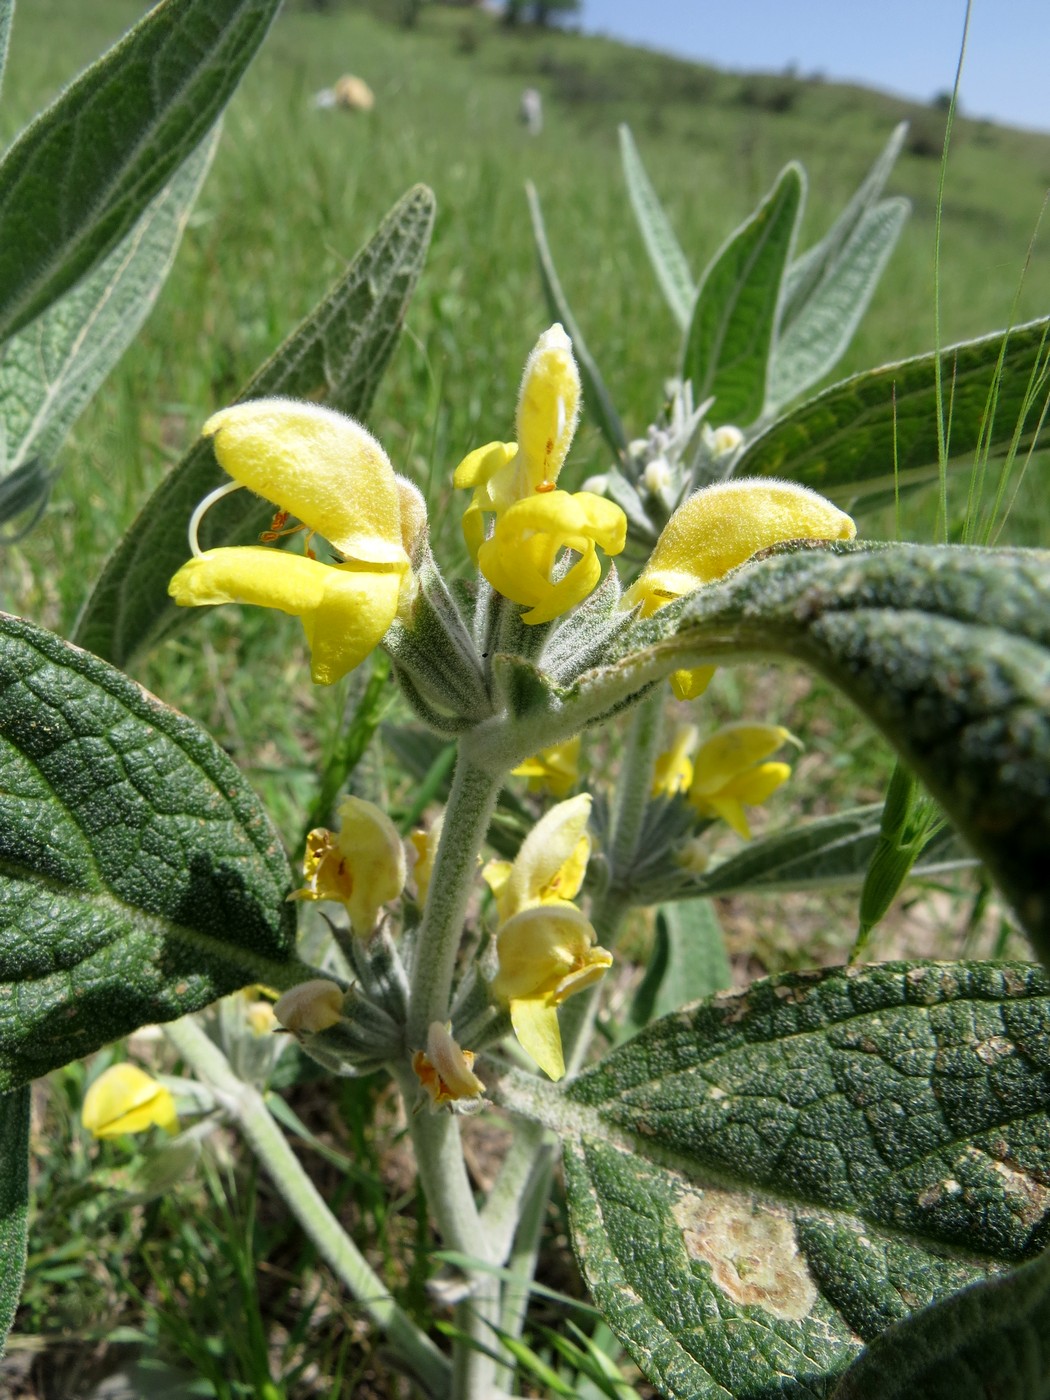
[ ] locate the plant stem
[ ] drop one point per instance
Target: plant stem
(248, 1108)
(450, 1199)
(470, 807)
(636, 780)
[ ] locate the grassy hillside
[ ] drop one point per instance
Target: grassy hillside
(295, 191)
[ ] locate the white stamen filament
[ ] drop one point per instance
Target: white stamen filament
(203, 507)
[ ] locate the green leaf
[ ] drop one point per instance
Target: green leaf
(7, 10)
(50, 370)
(139, 876)
(665, 253)
(825, 853)
(78, 178)
(814, 342)
(596, 395)
(688, 961)
(945, 649)
(14, 1201)
(731, 335)
(812, 268)
(337, 356)
(989, 1341)
(908, 820)
(758, 1184)
(845, 440)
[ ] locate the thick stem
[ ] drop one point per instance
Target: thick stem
(443, 1176)
(470, 807)
(636, 780)
(248, 1108)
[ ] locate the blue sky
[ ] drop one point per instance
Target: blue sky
(909, 47)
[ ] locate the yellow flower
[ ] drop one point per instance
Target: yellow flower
(729, 772)
(312, 1006)
(424, 841)
(445, 1071)
(535, 523)
(334, 477)
(716, 530)
(673, 770)
(546, 948)
(125, 1099)
(554, 770)
(361, 866)
(546, 953)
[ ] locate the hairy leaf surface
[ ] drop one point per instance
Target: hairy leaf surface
(14, 1201)
(733, 327)
(665, 253)
(846, 440)
(990, 1342)
(140, 877)
(945, 649)
(78, 178)
(337, 357)
(50, 370)
(760, 1183)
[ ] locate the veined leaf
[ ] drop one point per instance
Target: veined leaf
(811, 345)
(758, 1184)
(14, 1201)
(140, 877)
(733, 327)
(845, 440)
(945, 649)
(337, 356)
(50, 370)
(990, 1340)
(812, 267)
(78, 178)
(665, 253)
(821, 853)
(596, 395)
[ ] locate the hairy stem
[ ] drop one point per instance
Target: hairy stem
(248, 1109)
(470, 807)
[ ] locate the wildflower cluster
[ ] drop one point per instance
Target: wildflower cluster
(365, 578)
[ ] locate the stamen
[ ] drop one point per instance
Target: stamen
(203, 507)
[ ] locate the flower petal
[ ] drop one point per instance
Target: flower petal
(732, 750)
(538, 948)
(350, 621)
(552, 860)
(535, 1024)
(722, 526)
(529, 536)
(548, 407)
(323, 467)
(125, 1099)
